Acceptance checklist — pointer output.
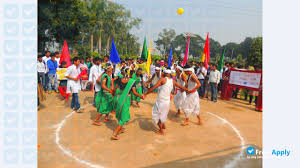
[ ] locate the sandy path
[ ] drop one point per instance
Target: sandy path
(214, 144)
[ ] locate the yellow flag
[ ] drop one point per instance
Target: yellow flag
(203, 57)
(149, 59)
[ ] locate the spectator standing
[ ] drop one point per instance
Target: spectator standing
(84, 69)
(73, 83)
(57, 58)
(41, 69)
(201, 74)
(214, 80)
(95, 72)
(46, 58)
(52, 66)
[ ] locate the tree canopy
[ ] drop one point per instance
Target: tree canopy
(87, 26)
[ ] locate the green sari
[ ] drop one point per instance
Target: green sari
(123, 103)
(104, 99)
(139, 88)
(115, 99)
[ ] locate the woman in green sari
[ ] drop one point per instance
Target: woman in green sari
(138, 82)
(117, 90)
(126, 86)
(104, 98)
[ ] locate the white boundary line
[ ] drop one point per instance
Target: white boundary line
(66, 151)
(235, 160)
(70, 154)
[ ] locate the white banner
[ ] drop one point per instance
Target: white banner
(246, 79)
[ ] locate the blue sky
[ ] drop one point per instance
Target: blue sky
(225, 20)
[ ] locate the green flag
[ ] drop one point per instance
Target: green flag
(144, 54)
(221, 61)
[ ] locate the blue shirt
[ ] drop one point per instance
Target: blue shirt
(52, 65)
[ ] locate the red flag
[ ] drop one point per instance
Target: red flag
(186, 52)
(65, 56)
(206, 52)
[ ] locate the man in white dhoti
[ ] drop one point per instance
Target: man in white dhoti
(161, 107)
(191, 103)
(180, 94)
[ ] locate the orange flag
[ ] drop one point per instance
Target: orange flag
(206, 53)
(65, 56)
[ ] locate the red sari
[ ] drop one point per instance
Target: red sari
(226, 90)
(259, 101)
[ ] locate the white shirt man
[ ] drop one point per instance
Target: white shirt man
(57, 60)
(41, 67)
(95, 72)
(214, 76)
(45, 60)
(73, 86)
(201, 73)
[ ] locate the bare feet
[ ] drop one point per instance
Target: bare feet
(114, 137)
(159, 133)
(185, 123)
(121, 131)
(137, 104)
(97, 123)
(106, 120)
(200, 122)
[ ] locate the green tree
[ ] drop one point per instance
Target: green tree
(239, 58)
(245, 47)
(195, 47)
(255, 55)
(164, 41)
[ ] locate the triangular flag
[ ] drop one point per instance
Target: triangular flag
(149, 59)
(65, 56)
(186, 52)
(144, 54)
(114, 56)
(206, 53)
(221, 61)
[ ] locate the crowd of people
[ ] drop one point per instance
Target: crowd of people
(118, 86)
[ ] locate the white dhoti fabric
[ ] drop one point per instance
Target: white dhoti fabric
(191, 104)
(160, 111)
(179, 100)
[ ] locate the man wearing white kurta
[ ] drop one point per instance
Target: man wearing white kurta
(161, 107)
(73, 84)
(95, 72)
(180, 94)
(191, 104)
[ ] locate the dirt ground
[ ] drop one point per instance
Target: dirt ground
(69, 140)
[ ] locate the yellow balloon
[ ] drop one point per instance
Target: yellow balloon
(180, 11)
